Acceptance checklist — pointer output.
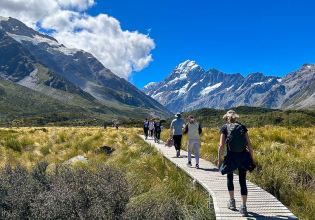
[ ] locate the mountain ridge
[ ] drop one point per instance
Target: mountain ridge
(39, 62)
(216, 89)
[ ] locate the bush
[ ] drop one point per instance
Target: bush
(65, 193)
(12, 143)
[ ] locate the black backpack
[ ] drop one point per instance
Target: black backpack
(236, 140)
(146, 124)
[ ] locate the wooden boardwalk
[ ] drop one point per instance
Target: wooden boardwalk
(260, 204)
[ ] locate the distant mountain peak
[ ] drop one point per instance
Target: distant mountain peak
(187, 66)
(184, 90)
(307, 66)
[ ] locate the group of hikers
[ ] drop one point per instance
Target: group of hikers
(238, 156)
(154, 127)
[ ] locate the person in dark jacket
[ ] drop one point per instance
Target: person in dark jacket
(157, 131)
(146, 128)
(234, 160)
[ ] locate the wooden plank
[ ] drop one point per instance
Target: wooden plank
(260, 204)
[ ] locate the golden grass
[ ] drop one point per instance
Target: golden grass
(147, 171)
(285, 159)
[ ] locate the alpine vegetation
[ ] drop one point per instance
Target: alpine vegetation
(37, 180)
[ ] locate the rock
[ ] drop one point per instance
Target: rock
(76, 159)
(107, 149)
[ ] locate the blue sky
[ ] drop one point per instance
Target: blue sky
(273, 37)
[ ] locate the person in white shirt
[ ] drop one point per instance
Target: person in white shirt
(151, 126)
(194, 130)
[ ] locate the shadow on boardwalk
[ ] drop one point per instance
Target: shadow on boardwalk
(261, 205)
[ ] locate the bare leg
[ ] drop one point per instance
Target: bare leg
(244, 199)
(232, 195)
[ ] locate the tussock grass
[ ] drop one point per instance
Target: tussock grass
(157, 189)
(285, 158)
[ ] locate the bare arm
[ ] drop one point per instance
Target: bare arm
(249, 144)
(221, 149)
(171, 128)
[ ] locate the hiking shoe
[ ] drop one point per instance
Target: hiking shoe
(189, 164)
(197, 166)
(177, 153)
(243, 211)
(231, 204)
(158, 141)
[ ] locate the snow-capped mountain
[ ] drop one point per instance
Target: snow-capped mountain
(77, 66)
(190, 87)
(149, 86)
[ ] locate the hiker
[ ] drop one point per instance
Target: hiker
(194, 130)
(177, 128)
(157, 131)
(239, 155)
(117, 125)
(151, 126)
(146, 128)
(105, 125)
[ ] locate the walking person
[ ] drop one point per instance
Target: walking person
(117, 125)
(177, 128)
(194, 130)
(157, 131)
(239, 155)
(105, 125)
(151, 126)
(146, 128)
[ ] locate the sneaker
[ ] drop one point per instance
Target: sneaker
(243, 211)
(189, 164)
(197, 166)
(158, 141)
(231, 204)
(177, 153)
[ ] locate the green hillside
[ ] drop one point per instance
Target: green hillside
(21, 106)
(253, 117)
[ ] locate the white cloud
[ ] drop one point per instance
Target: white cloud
(121, 51)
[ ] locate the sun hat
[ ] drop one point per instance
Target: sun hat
(178, 115)
(230, 113)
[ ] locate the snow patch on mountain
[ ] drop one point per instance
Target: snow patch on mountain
(210, 89)
(183, 89)
(228, 89)
(3, 18)
(157, 96)
(151, 84)
(39, 39)
(258, 83)
(180, 78)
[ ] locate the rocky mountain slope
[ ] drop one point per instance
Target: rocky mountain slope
(190, 87)
(39, 62)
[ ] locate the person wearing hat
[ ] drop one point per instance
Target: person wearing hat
(239, 156)
(194, 130)
(177, 128)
